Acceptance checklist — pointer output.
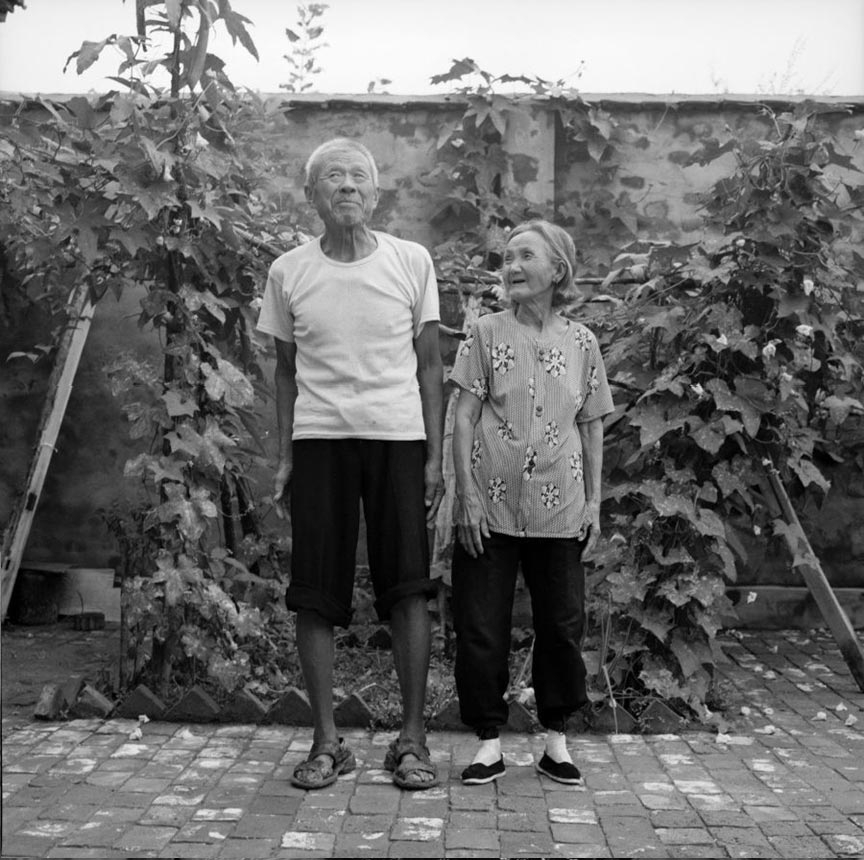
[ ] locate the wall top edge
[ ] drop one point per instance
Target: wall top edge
(647, 101)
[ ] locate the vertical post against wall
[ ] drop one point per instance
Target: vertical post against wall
(530, 141)
(80, 315)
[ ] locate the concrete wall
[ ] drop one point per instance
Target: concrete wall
(655, 135)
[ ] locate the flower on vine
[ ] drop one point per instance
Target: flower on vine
(698, 390)
(770, 349)
(497, 491)
(502, 358)
(723, 340)
(757, 530)
(476, 453)
(786, 376)
(805, 331)
(550, 496)
(480, 388)
(807, 285)
(740, 242)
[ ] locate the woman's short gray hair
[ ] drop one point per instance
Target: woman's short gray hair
(562, 249)
(338, 144)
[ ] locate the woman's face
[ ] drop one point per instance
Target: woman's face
(529, 271)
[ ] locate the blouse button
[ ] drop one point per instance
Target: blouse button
(538, 410)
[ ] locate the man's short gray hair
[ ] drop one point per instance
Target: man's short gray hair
(338, 144)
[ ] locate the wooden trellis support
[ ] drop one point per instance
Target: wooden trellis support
(80, 310)
(807, 562)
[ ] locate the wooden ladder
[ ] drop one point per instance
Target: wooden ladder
(80, 315)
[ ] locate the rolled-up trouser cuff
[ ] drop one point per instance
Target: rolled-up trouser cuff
(299, 597)
(385, 603)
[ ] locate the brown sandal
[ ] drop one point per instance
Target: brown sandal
(403, 771)
(310, 774)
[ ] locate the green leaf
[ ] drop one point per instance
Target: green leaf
(658, 622)
(709, 437)
(179, 403)
(87, 54)
(226, 381)
(173, 9)
(808, 473)
(691, 655)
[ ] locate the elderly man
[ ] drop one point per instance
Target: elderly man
(354, 315)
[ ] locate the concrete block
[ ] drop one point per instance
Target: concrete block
(291, 709)
(50, 703)
(520, 719)
(196, 706)
(448, 719)
(244, 707)
(606, 719)
(380, 640)
(141, 701)
(353, 711)
(71, 690)
(659, 719)
(91, 703)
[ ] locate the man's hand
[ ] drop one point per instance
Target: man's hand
(281, 483)
(473, 525)
(434, 490)
(591, 528)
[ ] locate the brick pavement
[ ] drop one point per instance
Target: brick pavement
(785, 780)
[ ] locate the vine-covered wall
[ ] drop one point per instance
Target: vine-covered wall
(653, 195)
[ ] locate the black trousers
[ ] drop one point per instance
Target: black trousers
(483, 591)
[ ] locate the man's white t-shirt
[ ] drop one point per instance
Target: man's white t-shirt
(354, 325)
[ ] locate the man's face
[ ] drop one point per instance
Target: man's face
(344, 193)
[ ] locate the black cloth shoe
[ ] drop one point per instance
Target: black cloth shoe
(560, 771)
(480, 774)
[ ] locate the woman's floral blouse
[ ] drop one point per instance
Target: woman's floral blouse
(527, 453)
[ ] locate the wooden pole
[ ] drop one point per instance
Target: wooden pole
(806, 561)
(80, 311)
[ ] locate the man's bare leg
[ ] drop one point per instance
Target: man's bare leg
(412, 636)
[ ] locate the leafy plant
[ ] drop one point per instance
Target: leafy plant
(304, 41)
(739, 348)
(157, 192)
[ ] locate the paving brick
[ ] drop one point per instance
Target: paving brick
(684, 836)
(416, 849)
(798, 846)
(751, 837)
(590, 834)
(845, 845)
(524, 821)
(264, 826)
(417, 829)
(243, 849)
(140, 838)
(369, 843)
(690, 852)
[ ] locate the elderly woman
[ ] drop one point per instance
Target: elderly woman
(527, 448)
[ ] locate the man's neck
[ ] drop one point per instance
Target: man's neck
(348, 244)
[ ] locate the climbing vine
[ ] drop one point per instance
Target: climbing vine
(725, 355)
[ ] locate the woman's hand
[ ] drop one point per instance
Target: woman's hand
(591, 528)
(473, 525)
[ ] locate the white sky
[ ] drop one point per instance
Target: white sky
(648, 46)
